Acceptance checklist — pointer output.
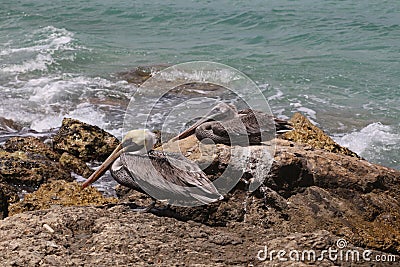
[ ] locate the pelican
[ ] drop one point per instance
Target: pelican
(225, 125)
(162, 175)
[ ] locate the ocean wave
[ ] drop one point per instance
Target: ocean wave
(42, 48)
(202, 74)
(41, 103)
(310, 113)
(83, 112)
(373, 142)
(369, 137)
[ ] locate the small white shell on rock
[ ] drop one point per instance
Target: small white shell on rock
(48, 228)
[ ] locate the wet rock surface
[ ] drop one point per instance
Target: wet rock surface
(309, 199)
(7, 125)
(140, 74)
(84, 141)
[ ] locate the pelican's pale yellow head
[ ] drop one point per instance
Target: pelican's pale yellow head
(138, 141)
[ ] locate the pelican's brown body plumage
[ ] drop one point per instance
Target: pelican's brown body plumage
(225, 125)
(164, 176)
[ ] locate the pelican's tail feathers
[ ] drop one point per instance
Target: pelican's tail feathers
(207, 199)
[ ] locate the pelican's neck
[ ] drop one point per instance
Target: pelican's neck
(142, 151)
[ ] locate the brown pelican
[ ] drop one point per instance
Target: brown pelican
(225, 125)
(162, 175)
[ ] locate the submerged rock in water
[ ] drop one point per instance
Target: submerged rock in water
(7, 125)
(84, 141)
(199, 89)
(141, 74)
(60, 193)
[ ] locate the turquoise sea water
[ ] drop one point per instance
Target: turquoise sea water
(338, 62)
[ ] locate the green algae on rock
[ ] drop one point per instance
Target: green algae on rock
(60, 193)
(84, 141)
(307, 133)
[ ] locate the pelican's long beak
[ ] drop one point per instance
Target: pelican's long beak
(104, 167)
(190, 130)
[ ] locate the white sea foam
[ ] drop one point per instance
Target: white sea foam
(40, 49)
(222, 76)
(87, 113)
(278, 95)
(42, 89)
(53, 89)
(310, 113)
(43, 102)
(43, 123)
(370, 140)
(83, 112)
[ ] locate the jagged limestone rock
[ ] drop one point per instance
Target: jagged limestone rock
(27, 169)
(32, 145)
(70, 162)
(84, 141)
(60, 193)
(89, 236)
(307, 133)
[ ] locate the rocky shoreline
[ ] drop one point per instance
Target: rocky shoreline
(316, 193)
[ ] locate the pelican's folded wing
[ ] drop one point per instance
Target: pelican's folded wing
(169, 174)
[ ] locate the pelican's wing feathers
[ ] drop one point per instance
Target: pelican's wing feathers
(169, 172)
(249, 122)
